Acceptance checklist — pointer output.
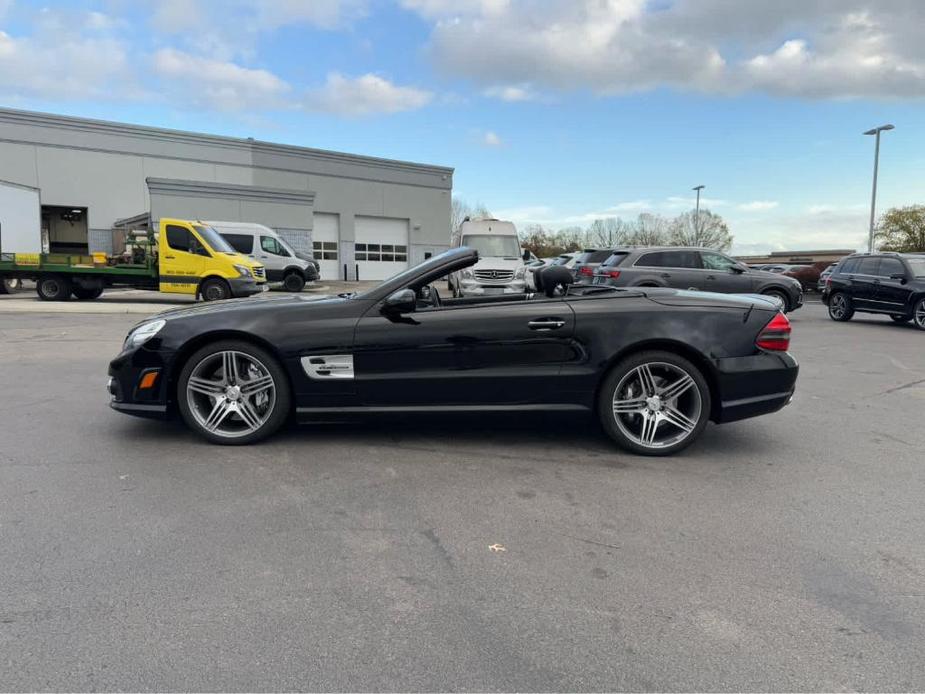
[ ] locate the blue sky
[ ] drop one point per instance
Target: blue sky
(551, 112)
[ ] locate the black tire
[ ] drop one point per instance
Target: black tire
(10, 285)
(899, 318)
(780, 296)
(275, 419)
(53, 288)
(215, 289)
(694, 403)
(840, 307)
(84, 294)
(918, 314)
(294, 282)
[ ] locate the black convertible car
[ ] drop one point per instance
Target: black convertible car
(654, 364)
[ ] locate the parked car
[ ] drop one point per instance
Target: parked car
(887, 283)
(565, 260)
(823, 276)
(587, 261)
(501, 266)
(655, 366)
(695, 268)
(262, 243)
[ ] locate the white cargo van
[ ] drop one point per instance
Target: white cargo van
(282, 263)
(501, 267)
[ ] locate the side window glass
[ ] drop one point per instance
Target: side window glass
(715, 261)
(869, 266)
(891, 266)
(686, 259)
(179, 238)
(270, 245)
(196, 246)
(849, 266)
(652, 260)
(242, 243)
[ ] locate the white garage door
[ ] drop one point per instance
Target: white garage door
(325, 236)
(381, 247)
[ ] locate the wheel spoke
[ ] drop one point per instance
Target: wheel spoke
(629, 406)
(678, 388)
(649, 427)
(646, 379)
(230, 367)
(257, 385)
(221, 410)
(205, 386)
(248, 415)
(678, 418)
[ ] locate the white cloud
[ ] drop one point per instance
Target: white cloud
(511, 92)
(220, 84)
(491, 139)
(820, 49)
(365, 95)
(758, 205)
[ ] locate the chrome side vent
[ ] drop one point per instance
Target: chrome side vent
(329, 366)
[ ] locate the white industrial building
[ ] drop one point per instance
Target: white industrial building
(362, 217)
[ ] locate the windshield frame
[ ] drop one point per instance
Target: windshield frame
(213, 240)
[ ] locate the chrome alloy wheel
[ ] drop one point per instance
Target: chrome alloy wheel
(657, 405)
(231, 394)
(838, 306)
(919, 316)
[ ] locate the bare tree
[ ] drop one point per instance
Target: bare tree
(607, 232)
(460, 209)
(650, 230)
(704, 230)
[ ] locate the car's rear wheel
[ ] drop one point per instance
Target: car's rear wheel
(654, 403)
(53, 288)
(840, 308)
(918, 314)
(780, 296)
(215, 289)
(10, 285)
(293, 282)
(233, 392)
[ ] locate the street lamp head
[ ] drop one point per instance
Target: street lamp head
(700, 187)
(874, 131)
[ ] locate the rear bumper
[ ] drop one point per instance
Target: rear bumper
(754, 385)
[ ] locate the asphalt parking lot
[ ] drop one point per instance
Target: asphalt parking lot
(441, 553)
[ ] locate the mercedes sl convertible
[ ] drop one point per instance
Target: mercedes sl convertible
(655, 365)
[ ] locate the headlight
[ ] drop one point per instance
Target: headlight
(243, 270)
(143, 333)
(521, 271)
(467, 274)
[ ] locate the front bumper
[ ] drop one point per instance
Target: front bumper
(126, 372)
(246, 286)
(475, 288)
(754, 385)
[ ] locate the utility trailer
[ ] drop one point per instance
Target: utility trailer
(182, 257)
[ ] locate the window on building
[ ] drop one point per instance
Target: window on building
(325, 250)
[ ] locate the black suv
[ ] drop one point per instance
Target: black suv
(888, 283)
(698, 269)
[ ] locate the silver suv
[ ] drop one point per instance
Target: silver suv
(695, 268)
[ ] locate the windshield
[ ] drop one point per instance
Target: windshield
(917, 265)
(215, 240)
(561, 260)
(491, 246)
(410, 273)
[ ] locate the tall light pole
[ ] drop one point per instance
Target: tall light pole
(697, 209)
(873, 195)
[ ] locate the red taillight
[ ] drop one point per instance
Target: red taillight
(775, 336)
(828, 281)
(613, 274)
(585, 270)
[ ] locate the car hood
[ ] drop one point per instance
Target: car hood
(766, 275)
(245, 305)
(686, 297)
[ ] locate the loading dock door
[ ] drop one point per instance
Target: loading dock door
(20, 219)
(381, 247)
(325, 236)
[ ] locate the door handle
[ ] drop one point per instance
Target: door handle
(170, 257)
(665, 274)
(546, 324)
(711, 277)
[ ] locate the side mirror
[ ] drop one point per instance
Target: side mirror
(898, 276)
(526, 256)
(402, 301)
(739, 269)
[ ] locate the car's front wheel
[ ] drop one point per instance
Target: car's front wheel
(918, 314)
(654, 403)
(781, 297)
(900, 318)
(840, 308)
(233, 392)
(294, 282)
(215, 289)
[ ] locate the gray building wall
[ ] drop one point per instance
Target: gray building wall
(104, 166)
